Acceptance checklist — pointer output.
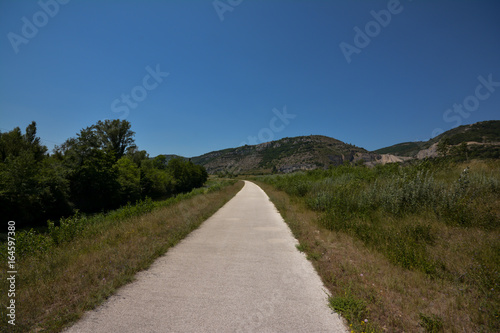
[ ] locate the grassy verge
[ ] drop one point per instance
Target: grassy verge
(401, 249)
(77, 265)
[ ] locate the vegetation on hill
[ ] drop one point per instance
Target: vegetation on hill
(429, 233)
(484, 139)
(481, 132)
(402, 149)
(320, 152)
(285, 155)
(99, 169)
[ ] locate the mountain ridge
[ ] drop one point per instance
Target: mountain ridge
(481, 138)
(318, 151)
(284, 155)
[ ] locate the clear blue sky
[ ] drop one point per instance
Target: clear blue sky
(225, 77)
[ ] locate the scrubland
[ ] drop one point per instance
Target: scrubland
(412, 248)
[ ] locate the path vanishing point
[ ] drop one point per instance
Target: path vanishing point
(239, 272)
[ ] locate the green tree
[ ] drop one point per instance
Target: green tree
(32, 185)
(129, 179)
(53, 189)
(137, 156)
(160, 162)
(112, 136)
(14, 143)
(186, 174)
(94, 182)
(156, 182)
(115, 136)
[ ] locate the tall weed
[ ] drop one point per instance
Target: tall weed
(367, 203)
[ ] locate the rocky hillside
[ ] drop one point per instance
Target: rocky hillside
(482, 139)
(285, 155)
(316, 151)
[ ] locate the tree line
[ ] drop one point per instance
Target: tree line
(99, 169)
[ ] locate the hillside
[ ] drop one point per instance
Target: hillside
(285, 155)
(482, 138)
(316, 151)
(402, 149)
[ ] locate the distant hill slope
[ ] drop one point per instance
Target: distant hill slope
(402, 149)
(285, 155)
(316, 151)
(483, 139)
(482, 132)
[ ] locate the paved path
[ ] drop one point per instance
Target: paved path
(239, 272)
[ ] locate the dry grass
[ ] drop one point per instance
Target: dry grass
(56, 288)
(367, 285)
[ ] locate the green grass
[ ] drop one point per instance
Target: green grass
(76, 265)
(432, 323)
(354, 310)
(436, 218)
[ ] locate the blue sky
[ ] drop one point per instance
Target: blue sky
(248, 71)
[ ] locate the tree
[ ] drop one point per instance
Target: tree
(112, 136)
(137, 156)
(443, 147)
(129, 178)
(33, 142)
(178, 170)
(156, 182)
(115, 136)
(160, 162)
(186, 174)
(11, 144)
(14, 143)
(98, 169)
(32, 186)
(94, 182)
